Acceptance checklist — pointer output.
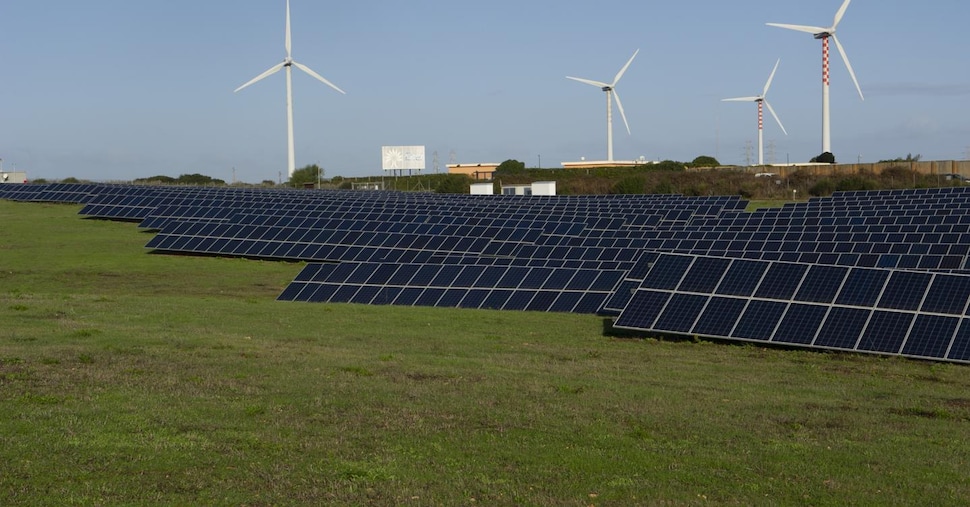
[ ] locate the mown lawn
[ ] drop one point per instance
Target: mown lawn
(139, 379)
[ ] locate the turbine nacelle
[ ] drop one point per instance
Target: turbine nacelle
(823, 35)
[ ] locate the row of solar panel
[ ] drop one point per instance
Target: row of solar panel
(453, 285)
(866, 310)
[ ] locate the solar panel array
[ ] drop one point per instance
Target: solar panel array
(882, 311)
(802, 275)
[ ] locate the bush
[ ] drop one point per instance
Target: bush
(705, 161)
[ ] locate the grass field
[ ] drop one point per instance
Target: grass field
(139, 379)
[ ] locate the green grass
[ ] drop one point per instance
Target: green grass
(135, 379)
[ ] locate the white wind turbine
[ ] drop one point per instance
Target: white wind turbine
(825, 34)
(762, 103)
(288, 64)
(610, 89)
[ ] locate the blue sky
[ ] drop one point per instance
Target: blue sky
(120, 89)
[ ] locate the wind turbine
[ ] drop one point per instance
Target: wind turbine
(288, 63)
(762, 103)
(825, 34)
(610, 89)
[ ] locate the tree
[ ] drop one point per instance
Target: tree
(824, 158)
(705, 161)
(307, 174)
(511, 166)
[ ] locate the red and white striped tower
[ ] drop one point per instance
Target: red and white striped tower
(826, 112)
(825, 34)
(762, 104)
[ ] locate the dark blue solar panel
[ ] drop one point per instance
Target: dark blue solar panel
(386, 295)
(960, 350)
(905, 290)
(292, 291)
(322, 293)
(821, 284)
(535, 278)
(496, 299)
(519, 300)
(667, 272)
(468, 276)
(542, 301)
(886, 331)
(344, 293)
(430, 297)
(862, 287)
(361, 274)
(800, 324)
(566, 302)
(408, 296)
(607, 280)
(643, 309)
(842, 328)
(474, 298)
(680, 313)
(759, 320)
(781, 280)
(704, 275)
(931, 336)
(742, 277)
(720, 316)
(583, 279)
(591, 302)
(403, 275)
(559, 279)
(947, 294)
(365, 295)
(451, 298)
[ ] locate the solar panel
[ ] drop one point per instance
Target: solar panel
(896, 312)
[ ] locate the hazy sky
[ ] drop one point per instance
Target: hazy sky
(120, 89)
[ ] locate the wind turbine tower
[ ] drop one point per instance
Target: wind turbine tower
(288, 63)
(762, 103)
(610, 89)
(824, 34)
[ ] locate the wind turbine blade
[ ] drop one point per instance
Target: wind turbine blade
(620, 74)
(619, 106)
(597, 84)
(772, 111)
(838, 15)
(272, 70)
(288, 39)
(742, 99)
(800, 28)
(306, 69)
(848, 65)
(770, 78)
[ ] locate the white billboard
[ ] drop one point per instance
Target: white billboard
(395, 158)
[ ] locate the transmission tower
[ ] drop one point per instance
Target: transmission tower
(452, 158)
(435, 162)
(770, 152)
(748, 151)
